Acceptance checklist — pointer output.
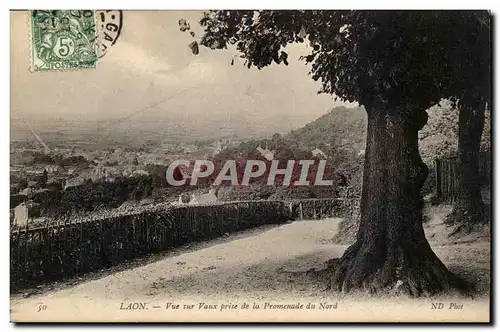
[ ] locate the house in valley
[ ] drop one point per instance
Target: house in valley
(202, 199)
(318, 153)
(26, 211)
(266, 153)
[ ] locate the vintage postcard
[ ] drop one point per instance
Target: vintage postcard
(250, 166)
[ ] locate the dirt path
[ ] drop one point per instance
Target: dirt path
(265, 264)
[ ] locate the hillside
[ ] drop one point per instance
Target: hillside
(340, 132)
(340, 128)
(346, 128)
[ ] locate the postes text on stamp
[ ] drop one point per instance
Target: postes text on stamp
(63, 40)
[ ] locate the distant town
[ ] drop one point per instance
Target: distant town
(37, 170)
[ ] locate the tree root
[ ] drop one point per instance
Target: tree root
(462, 215)
(401, 272)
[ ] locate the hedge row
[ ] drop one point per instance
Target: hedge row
(317, 208)
(54, 252)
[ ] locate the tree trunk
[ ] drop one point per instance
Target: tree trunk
(469, 207)
(391, 251)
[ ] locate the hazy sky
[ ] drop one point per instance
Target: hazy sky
(151, 61)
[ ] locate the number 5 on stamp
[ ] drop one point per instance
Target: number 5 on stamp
(62, 40)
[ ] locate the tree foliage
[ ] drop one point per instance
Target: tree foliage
(469, 57)
(439, 137)
(395, 57)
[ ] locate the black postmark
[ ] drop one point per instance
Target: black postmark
(109, 27)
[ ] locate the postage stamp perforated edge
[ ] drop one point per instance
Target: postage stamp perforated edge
(32, 68)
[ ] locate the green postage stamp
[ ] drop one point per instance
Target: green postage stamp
(63, 40)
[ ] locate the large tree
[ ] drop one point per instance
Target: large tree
(389, 62)
(470, 87)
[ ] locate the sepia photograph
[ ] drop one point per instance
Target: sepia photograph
(241, 166)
